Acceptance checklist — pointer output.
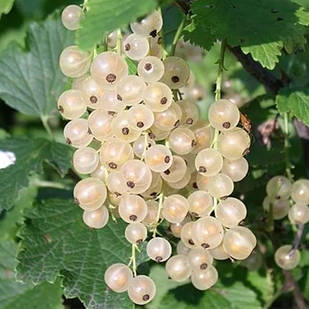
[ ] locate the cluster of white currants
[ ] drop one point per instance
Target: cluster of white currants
(287, 199)
(151, 158)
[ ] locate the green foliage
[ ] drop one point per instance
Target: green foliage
(30, 81)
(187, 297)
(227, 293)
(267, 54)
(6, 6)
(56, 241)
(30, 155)
(104, 16)
(259, 27)
(295, 102)
(13, 218)
(132, 66)
(17, 295)
(163, 284)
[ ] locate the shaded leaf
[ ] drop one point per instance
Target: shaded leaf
(26, 157)
(11, 218)
(199, 34)
(105, 16)
(163, 284)
(296, 102)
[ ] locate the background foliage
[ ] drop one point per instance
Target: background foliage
(43, 241)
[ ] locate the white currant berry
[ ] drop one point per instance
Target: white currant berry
(159, 249)
(71, 16)
(96, 219)
(118, 277)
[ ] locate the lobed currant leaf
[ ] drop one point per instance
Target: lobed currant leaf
(30, 80)
(56, 242)
(259, 27)
(18, 295)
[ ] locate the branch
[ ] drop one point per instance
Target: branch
(291, 285)
(184, 5)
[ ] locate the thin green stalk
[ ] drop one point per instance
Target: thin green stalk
(178, 35)
(44, 120)
(132, 262)
(85, 6)
(270, 217)
(119, 41)
(175, 94)
(288, 165)
(219, 85)
(220, 71)
(158, 215)
(215, 139)
(49, 184)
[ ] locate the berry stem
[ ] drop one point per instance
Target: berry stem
(133, 259)
(288, 165)
(270, 217)
(85, 6)
(45, 123)
(215, 140)
(158, 215)
(175, 95)
(178, 35)
(215, 200)
(145, 146)
(220, 71)
(219, 85)
(297, 239)
(119, 40)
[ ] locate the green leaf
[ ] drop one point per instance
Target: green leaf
(200, 36)
(303, 16)
(259, 27)
(6, 6)
(14, 216)
(56, 241)
(296, 102)
(26, 157)
(163, 284)
(267, 54)
(30, 81)
(105, 16)
(132, 66)
(237, 288)
(187, 297)
(234, 294)
(17, 295)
